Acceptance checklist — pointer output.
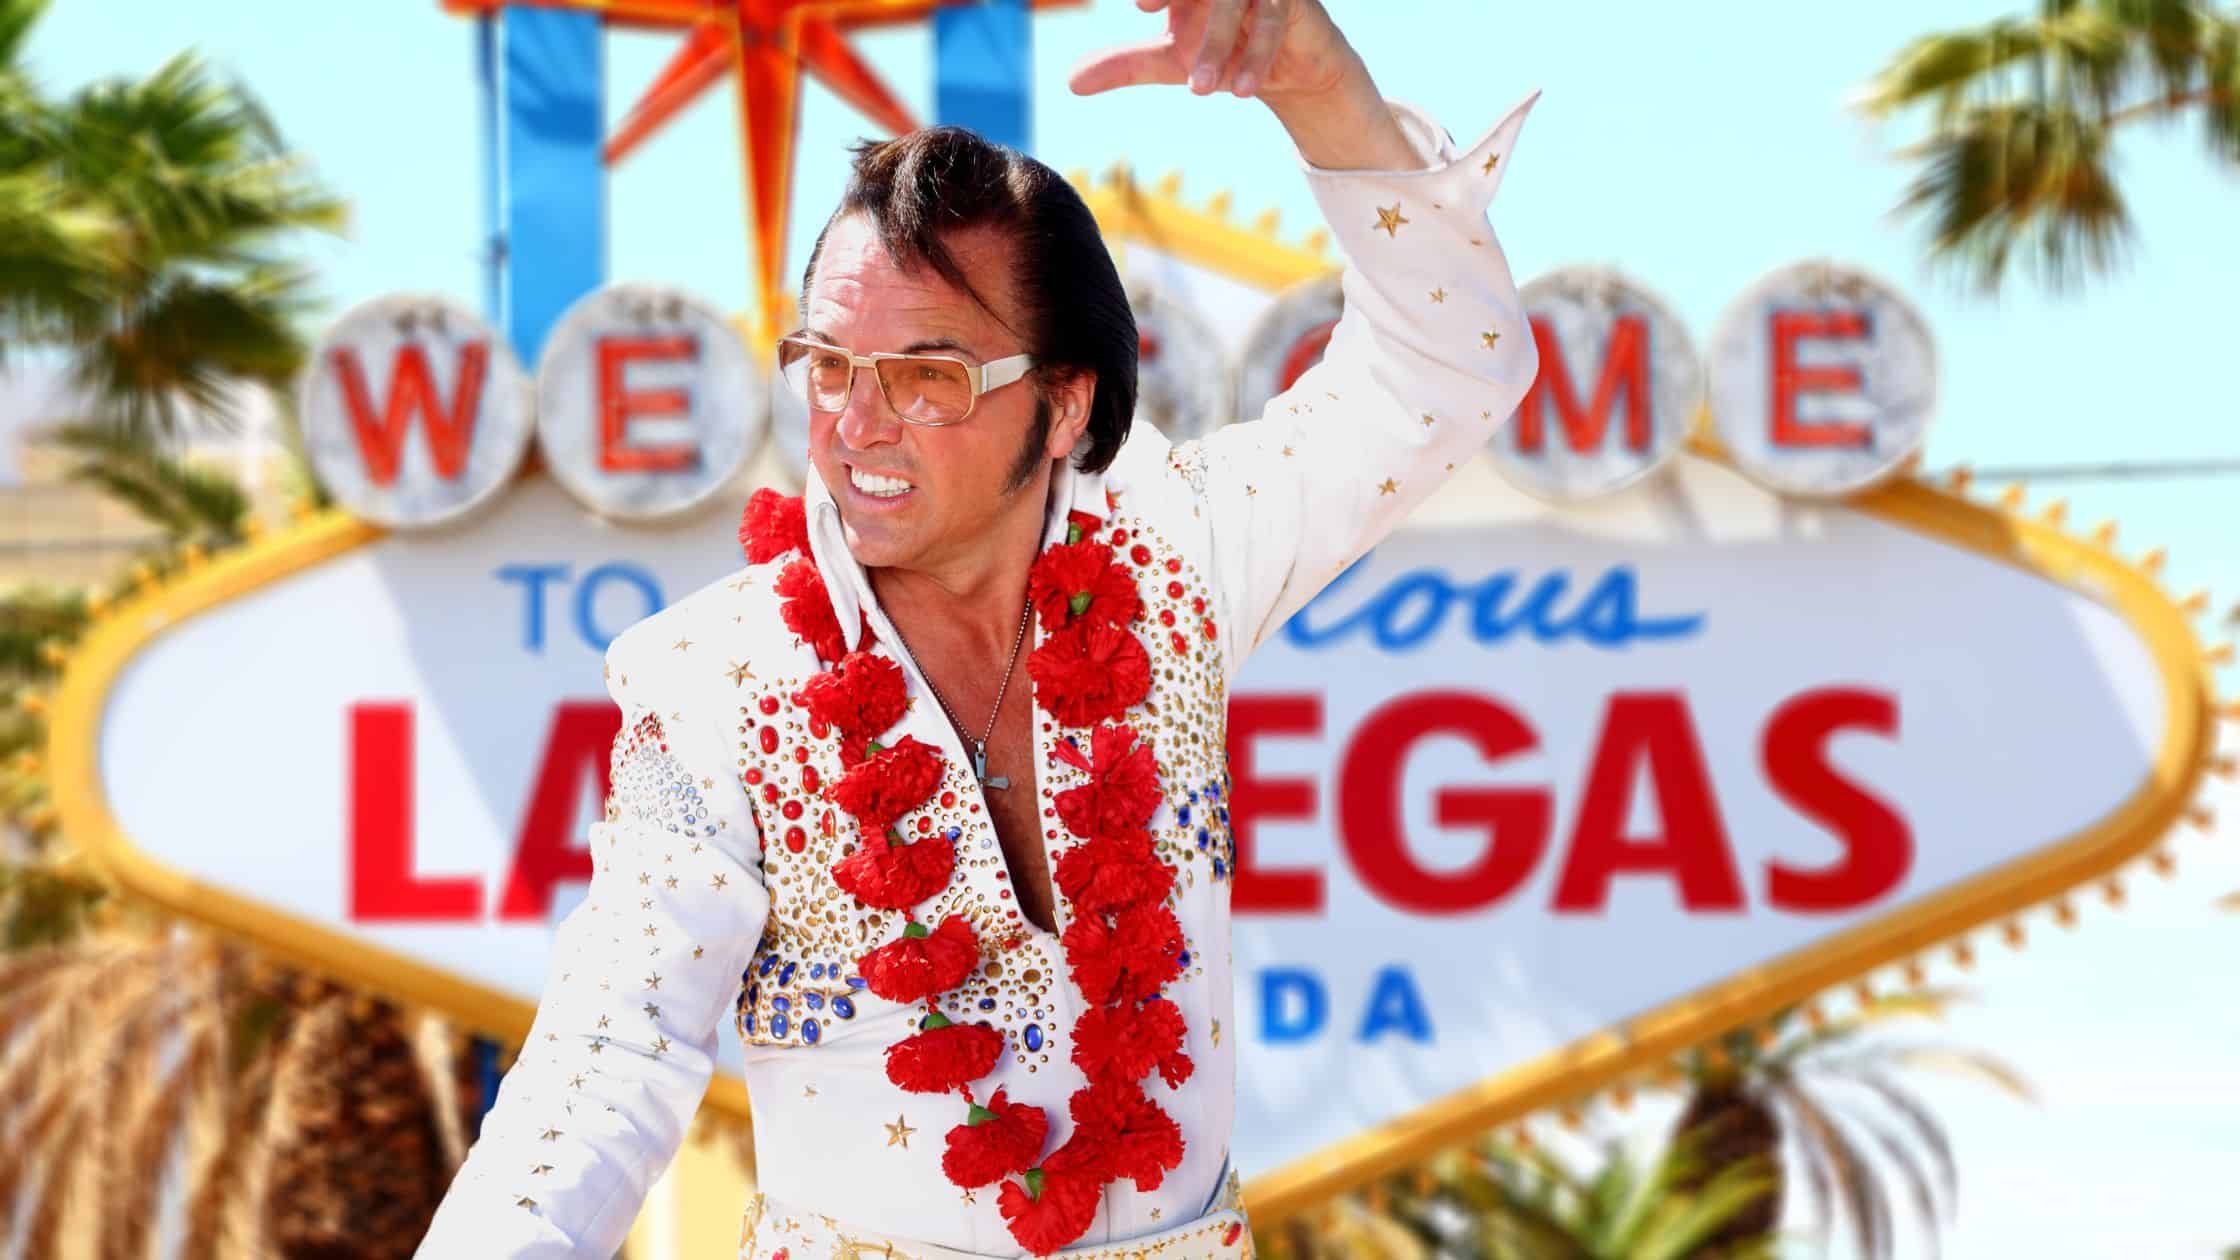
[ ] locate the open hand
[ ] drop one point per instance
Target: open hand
(1272, 49)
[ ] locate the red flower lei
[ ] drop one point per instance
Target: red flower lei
(1123, 943)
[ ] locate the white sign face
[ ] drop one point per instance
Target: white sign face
(1619, 386)
(1287, 339)
(647, 402)
(1823, 380)
(1182, 374)
(1509, 783)
(414, 411)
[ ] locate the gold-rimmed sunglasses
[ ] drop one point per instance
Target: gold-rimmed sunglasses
(924, 389)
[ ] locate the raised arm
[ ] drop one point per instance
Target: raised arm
(643, 972)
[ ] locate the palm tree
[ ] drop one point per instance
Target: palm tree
(1496, 1201)
(2022, 118)
(142, 234)
(1820, 1090)
(307, 1121)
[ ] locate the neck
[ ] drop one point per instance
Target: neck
(976, 595)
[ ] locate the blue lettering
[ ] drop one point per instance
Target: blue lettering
(1396, 1004)
(1279, 1025)
(587, 593)
(1404, 613)
(532, 578)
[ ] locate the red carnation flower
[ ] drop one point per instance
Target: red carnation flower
(1121, 1043)
(1058, 1202)
(999, 1139)
(860, 697)
(1123, 789)
(1080, 525)
(944, 1056)
(1140, 951)
(1112, 872)
(1138, 1139)
(922, 963)
(773, 525)
(895, 876)
(1080, 582)
(807, 609)
(1089, 672)
(889, 783)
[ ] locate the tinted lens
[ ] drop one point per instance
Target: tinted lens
(819, 376)
(929, 390)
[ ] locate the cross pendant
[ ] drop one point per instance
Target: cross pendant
(980, 768)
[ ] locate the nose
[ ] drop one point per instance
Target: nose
(867, 420)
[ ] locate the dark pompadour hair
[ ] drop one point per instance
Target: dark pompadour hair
(918, 187)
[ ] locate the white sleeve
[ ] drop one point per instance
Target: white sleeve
(1431, 354)
(644, 973)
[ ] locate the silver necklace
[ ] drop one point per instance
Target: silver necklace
(980, 745)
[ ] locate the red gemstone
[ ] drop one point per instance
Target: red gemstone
(1198, 605)
(809, 778)
(796, 839)
(948, 800)
(770, 793)
(1174, 564)
(754, 775)
(824, 824)
(1166, 616)
(924, 823)
(819, 727)
(1119, 537)
(769, 739)
(791, 809)
(1140, 554)
(768, 705)
(1228, 1239)
(801, 754)
(1210, 631)
(1181, 644)
(1174, 590)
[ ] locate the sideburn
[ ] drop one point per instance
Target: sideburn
(1030, 455)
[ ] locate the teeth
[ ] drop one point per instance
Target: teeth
(877, 486)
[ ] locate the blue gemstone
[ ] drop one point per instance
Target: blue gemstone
(781, 1003)
(1185, 958)
(815, 1000)
(768, 961)
(857, 982)
(1034, 1036)
(1213, 790)
(777, 1025)
(1203, 838)
(1218, 869)
(987, 1004)
(844, 1008)
(955, 832)
(1193, 796)
(746, 1023)
(810, 1032)
(786, 976)
(1182, 815)
(753, 990)
(1223, 814)
(816, 971)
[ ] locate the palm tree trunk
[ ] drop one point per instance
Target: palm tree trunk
(1726, 1126)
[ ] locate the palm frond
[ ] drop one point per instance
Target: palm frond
(1928, 1132)
(2021, 185)
(1859, 1191)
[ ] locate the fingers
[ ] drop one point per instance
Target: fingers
(1260, 46)
(1151, 6)
(1152, 62)
(1224, 24)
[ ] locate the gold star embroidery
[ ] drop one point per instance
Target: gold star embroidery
(696, 846)
(649, 929)
(1154, 1214)
(1485, 415)
(808, 1091)
(742, 584)
(1287, 452)
(681, 644)
(1217, 1032)
(1427, 421)
(645, 877)
(1439, 295)
(1390, 220)
(969, 1197)
(1389, 487)
(653, 981)
(550, 1135)
(576, 1081)
(661, 1045)
(1489, 338)
(539, 1170)
(602, 1021)
(720, 881)
(670, 882)
(898, 1133)
(1487, 169)
(739, 673)
(698, 950)
(652, 1011)
(524, 1201)
(1249, 492)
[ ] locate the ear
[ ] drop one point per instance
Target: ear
(1069, 412)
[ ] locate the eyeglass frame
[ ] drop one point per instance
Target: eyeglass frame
(1007, 370)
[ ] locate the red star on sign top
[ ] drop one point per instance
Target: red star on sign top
(769, 43)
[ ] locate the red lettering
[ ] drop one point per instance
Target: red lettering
(546, 853)
(1652, 730)
(1256, 889)
(1303, 354)
(1625, 364)
(411, 391)
(1878, 846)
(1516, 820)
(619, 404)
(384, 885)
(1791, 379)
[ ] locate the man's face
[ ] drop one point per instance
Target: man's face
(959, 476)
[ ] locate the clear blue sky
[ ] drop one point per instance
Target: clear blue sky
(1696, 146)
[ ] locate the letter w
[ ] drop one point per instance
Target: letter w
(411, 390)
